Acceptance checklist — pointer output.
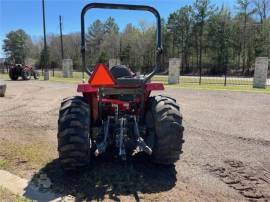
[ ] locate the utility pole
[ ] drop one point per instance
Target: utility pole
(61, 37)
(46, 73)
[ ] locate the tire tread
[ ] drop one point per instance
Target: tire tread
(166, 120)
(73, 133)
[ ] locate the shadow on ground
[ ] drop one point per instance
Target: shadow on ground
(111, 178)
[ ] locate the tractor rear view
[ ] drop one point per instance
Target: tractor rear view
(116, 110)
(25, 72)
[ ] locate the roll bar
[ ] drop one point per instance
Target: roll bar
(123, 7)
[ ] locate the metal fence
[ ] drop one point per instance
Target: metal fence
(217, 80)
(3, 69)
(229, 77)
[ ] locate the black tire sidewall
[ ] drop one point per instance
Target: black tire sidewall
(164, 123)
(36, 75)
(26, 74)
(13, 74)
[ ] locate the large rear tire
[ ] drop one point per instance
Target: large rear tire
(74, 133)
(164, 124)
(13, 74)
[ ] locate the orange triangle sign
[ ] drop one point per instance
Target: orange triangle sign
(101, 76)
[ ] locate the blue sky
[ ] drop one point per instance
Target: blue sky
(27, 14)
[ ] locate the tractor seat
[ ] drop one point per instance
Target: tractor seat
(124, 76)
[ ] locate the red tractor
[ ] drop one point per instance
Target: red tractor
(25, 72)
(116, 111)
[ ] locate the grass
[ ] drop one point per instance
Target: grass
(238, 88)
(4, 164)
(7, 196)
(187, 82)
(34, 155)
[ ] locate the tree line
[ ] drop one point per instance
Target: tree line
(208, 39)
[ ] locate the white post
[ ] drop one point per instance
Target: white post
(67, 67)
(174, 70)
(260, 74)
(3, 88)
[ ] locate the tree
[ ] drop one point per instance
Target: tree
(262, 37)
(103, 57)
(245, 12)
(181, 22)
(73, 48)
(219, 35)
(94, 39)
(15, 45)
(262, 8)
(55, 51)
(202, 10)
(130, 40)
(110, 43)
(166, 44)
(144, 46)
(236, 38)
(126, 54)
(110, 26)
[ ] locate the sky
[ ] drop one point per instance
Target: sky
(27, 14)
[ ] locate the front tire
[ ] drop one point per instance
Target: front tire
(164, 124)
(26, 74)
(74, 133)
(36, 75)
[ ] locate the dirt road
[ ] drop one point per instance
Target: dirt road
(226, 154)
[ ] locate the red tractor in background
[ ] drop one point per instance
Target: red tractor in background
(25, 72)
(116, 110)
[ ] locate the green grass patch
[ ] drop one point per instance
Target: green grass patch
(4, 164)
(63, 80)
(7, 196)
(76, 75)
(4, 76)
(239, 88)
(35, 155)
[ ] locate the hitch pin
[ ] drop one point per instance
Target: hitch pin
(141, 145)
(102, 146)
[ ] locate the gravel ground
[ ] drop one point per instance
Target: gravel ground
(226, 154)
